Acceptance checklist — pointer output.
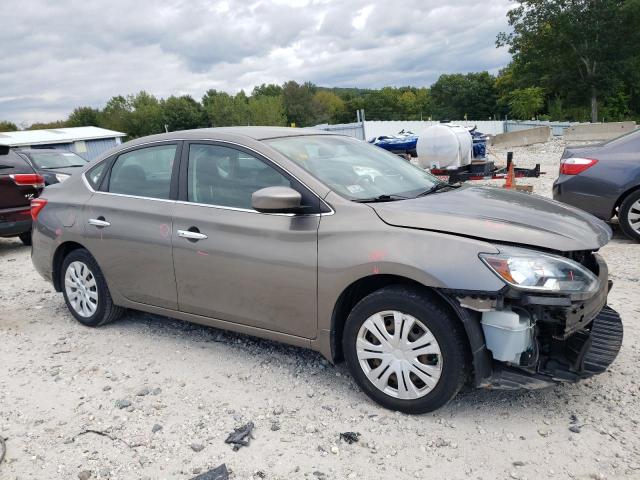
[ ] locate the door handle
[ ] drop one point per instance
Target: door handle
(189, 235)
(99, 222)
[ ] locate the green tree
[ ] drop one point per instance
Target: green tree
(241, 109)
(267, 110)
(84, 117)
(423, 103)
(182, 113)
(408, 104)
(327, 107)
(616, 106)
(6, 126)
(48, 125)
(298, 101)
(382, 104)
(524, 103)
(223, 110)
(146, 116)
(116, 115)
(269, 90)
(569, 46)
(457, 96)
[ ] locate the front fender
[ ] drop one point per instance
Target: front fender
(348, 252)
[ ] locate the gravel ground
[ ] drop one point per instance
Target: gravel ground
(163, 395)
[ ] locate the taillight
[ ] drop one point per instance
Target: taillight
(37, 204)
(32, 179)
(576, 165)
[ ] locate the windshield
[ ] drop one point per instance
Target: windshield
(353, 168)
(56, 159)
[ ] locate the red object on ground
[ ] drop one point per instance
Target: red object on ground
(510, 179)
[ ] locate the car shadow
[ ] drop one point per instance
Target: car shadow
(305, 362)
(618, 235)
(10, 245)
(197, 334)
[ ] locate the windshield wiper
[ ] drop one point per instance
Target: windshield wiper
(381, 198)
(438, 187)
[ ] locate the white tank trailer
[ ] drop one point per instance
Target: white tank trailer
(445, 147)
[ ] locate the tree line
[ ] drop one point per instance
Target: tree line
(572, 60)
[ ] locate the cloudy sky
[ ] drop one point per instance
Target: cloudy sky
(56, 55)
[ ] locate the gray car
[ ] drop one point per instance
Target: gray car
(326, 242)
(604, 180)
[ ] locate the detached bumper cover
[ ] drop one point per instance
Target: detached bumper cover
(593, 352)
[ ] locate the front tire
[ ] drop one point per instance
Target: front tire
(629, 216)
(405, 350)
(85, 290)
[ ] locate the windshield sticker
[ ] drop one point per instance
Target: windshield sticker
(355, 188)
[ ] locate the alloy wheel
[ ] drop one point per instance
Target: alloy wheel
(81, 289)
(633, 217)
(399, 355)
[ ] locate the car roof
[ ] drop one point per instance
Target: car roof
(42, 150)
(225, 133)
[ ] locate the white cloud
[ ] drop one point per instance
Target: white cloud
(59, 55)
(360, 19)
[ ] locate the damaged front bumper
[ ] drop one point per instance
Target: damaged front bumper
(587, 352)
(572, 337)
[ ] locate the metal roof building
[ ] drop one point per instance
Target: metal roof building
(88, 142)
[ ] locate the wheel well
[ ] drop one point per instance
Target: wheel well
(622, 198)
(360, 289)
(58, 257)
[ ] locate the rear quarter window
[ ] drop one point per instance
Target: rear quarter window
(94, 175)
(12, 162)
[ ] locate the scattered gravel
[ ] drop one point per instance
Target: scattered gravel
(203, 383)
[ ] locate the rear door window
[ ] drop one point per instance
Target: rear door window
(145, 172)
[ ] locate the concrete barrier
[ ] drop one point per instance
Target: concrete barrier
(521, 138)
(598, 131)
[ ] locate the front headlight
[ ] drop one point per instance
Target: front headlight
(61, 177)
(541, 272)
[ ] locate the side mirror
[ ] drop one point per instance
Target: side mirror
(276, 200)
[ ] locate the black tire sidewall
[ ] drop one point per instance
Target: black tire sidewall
(25, 238)
(101, 287)
(441, 324)
(623, 219)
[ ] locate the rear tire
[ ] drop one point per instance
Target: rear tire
(629, 216)
(25, 238)
(419, 333)
(85, 290)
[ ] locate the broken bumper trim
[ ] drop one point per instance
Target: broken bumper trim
(602, 345)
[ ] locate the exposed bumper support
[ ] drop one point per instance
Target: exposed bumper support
(588, 352)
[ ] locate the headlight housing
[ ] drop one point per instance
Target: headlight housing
(61, 177)
(540, 272)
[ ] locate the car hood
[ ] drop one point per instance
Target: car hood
(499, 215)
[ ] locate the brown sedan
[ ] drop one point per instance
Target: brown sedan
(330, 243)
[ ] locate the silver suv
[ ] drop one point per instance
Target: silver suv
(326, 242)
